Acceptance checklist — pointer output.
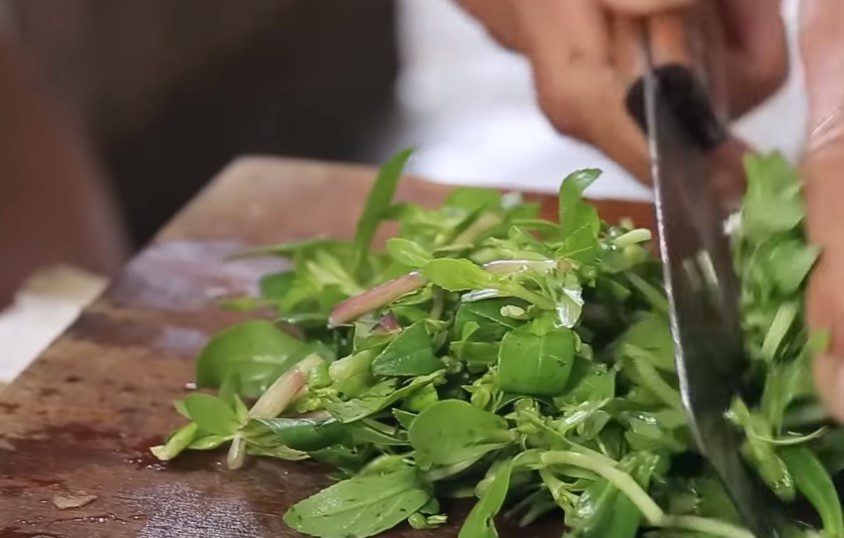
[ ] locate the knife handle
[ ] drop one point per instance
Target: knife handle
(685, 51)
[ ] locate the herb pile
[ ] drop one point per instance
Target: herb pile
(528, 364)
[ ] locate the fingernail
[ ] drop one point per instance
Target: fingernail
(829, 381)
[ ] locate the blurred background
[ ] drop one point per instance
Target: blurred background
(114, 113)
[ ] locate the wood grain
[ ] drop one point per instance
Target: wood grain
(81, 418)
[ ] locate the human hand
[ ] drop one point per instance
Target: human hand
(586, 53)
(822, 48)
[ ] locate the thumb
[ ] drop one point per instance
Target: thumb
(645, 7)
(829, 382)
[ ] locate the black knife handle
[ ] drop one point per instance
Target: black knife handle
(686, 97)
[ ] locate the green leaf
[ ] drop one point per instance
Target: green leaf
(814, 482)
(650, 340)
(454, 431)
(457, 275)
(277, 285)
(422, 399)
(773, 202)
(377, 398)
(789, 263)
(361, 506)
(479, 523)
(588, 382)
(537, 365)
(786, 383)
(211, 414)
(575, 213)
(209, 442)
(177, 442)
(580, 245)
(256, 351)
(303, 434)
(408, 252)
(379, 199)
(405, 418)
(352, 375)
(487, 315)
(410, 354)
(286, 249)
(474, 198)
(376, 433)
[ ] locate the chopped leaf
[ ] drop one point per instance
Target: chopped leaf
(379, 199)
(457, 275)
(575, 213)
(409, 253)
(410, 354)
(377, 398)
(454, 431)
(211, 414)
(360, 506)
(256, 351)
(537, 365)
(488, 353)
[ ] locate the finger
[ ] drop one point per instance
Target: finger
(829, 382)
(822, 49)
(645, 7)
(567, 43)
(558, 31)
(586, 26)
(824, 301)
(499, 19)
(669, 39)
(626, 52)
(758, 59)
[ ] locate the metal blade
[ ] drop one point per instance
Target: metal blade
(703, 298)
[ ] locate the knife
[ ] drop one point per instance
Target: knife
(683, 134)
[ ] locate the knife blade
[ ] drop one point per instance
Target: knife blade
(700, 282)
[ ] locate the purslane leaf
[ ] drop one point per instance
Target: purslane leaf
(361, 506)
(379, 199)
(453, 431)
(536, 365)
(256, 351)
(211, 414)
(575, 213)
(410, 354)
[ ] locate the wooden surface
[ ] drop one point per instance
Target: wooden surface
(81, 418)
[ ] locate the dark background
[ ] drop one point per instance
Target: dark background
(169, 91)
(114, 113)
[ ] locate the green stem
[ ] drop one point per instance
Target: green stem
(484, 223)
(273, 402)
(655, 382)
(705, 525)
(624, 482)
(639, 235)
(517, 290)
(653, 295)
(651, 511)
(177, 443)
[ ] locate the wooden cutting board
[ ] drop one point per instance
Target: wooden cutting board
(79, 421)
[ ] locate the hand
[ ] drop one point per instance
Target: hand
(822, 45)
(585, 54)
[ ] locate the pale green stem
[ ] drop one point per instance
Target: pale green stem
(651, 511)
(273, 402)
(176, 444)
(624, 482)
(476, 229)
(705, 525)
(639, 235)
